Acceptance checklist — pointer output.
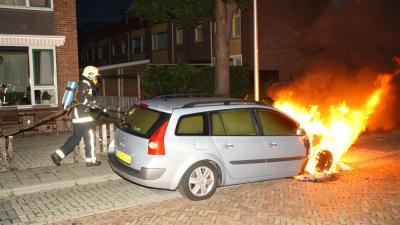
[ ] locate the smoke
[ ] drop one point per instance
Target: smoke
(352, 43)
(357, 34)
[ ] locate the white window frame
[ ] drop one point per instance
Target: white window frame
(28, 7)
(234, 59)
(31, 72)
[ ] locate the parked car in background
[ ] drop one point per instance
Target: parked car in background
(196, 144)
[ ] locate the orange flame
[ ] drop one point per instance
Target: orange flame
(337, 129)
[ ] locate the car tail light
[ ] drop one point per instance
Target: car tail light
(156, 142)
(144, 105)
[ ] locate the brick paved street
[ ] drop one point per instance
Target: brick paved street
(73, 202)
(368, 194)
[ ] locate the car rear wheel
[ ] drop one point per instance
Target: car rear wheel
(199, 181)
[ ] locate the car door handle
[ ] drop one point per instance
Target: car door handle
(272, 144)
(226, 146)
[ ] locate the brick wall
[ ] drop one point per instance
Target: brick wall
(283, 34)
(67, 55)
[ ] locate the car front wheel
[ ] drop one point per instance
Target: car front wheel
(199, 181)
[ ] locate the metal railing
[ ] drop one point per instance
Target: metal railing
(116, 105)
(104, 134)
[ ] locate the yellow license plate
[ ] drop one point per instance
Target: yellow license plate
(124, 157)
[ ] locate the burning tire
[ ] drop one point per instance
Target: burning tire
(324, 161)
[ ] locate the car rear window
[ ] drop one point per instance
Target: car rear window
(192, 125)
(142, 121)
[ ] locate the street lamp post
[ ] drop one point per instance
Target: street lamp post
(256, 66)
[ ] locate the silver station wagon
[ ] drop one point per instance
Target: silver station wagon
(196, 144)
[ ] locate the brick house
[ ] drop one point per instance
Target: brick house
(38, 50)
(123, 51)
(282, 54)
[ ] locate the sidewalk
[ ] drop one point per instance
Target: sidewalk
(36, 172)
(51, 177)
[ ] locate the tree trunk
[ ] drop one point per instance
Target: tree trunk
(221, 50)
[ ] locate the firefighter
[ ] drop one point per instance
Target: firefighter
(83, 121)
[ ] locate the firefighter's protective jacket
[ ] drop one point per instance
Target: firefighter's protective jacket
(86, 96)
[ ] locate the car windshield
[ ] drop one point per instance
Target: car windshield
(141, 121)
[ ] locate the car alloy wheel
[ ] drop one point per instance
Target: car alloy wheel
(200, 181)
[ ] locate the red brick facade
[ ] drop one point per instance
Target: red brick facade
(67, 55)
(283, 34)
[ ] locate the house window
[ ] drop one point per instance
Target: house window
(14, 75)
(235, 60)
(43, 67)
(24, 87)
(16, 2)
(137, 45)
(159, 41)
(40, 3)
(46, 4)
(236, 25)
(179, 36)
(44, 87)
(198, 33)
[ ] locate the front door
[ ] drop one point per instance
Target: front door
(285, 149)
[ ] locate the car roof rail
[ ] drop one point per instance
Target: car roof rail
(165, 97)
(220, 102)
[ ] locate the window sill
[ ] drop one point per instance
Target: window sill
(26, 106)
(26, 8)
(236, 37)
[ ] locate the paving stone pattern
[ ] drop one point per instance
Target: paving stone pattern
(34, 151)
(46, 178)
(78, 201)
(369, 194)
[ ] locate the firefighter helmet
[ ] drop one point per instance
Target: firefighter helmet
(91, 73)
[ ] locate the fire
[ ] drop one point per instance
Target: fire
(338, 127)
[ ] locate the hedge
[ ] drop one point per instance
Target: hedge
(187, 79)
